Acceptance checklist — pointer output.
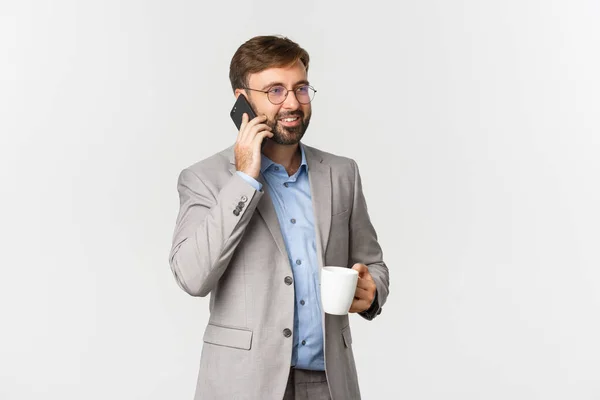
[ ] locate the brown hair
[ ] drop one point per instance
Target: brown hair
(263, 52)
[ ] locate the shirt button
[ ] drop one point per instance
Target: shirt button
(293, 220)
(287, 332)
(298, 262)
(288, 280)
(286, 184)
(302, 302)
(304, 343)
(276, 168)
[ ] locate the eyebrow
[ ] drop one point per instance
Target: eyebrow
(271, 84)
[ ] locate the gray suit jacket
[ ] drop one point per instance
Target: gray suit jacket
(228, 243)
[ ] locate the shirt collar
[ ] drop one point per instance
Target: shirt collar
(266, 162)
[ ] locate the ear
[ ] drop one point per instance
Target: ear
(237, 93)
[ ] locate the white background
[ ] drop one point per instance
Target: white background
(476, 126)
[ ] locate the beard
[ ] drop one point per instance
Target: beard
(288, 135)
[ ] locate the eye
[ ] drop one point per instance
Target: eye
(277, 90)
(303, 89)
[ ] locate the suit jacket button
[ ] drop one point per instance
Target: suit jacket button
(241, 204)
(244, 199)
(288, 280)
(287, 332)
(236, 212)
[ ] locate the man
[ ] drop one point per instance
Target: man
(256, 224)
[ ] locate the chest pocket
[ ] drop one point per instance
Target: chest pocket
(229, 337)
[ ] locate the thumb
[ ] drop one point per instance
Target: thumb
(363, 270)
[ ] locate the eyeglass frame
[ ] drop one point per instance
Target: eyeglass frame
(286, 93)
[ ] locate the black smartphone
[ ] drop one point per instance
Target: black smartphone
(240, 107)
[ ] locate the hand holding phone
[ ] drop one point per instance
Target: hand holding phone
(253, 133)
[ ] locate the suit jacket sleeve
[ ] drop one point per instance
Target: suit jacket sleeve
(210, 224)
(365, 249)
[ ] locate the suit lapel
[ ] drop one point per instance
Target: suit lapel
(267, 211)
(319, 175)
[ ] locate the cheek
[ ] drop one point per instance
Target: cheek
(265, 107)
(271, 115)
(272, 119)
(307, 113)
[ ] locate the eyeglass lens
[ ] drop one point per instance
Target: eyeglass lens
(304, 94)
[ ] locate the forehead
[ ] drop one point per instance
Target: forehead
(288, 76)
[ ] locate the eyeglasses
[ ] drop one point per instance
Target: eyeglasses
(278, 94)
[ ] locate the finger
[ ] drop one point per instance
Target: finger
(253, 129)
(358, 306)
(366, 295)
(365, 275)
(257, 142)
(246, 128)
(361, 294)
(257, 120)
(261, 135)
(253, 137)
(243, 125)
(255, 125)
(361, 268)
(365, 283)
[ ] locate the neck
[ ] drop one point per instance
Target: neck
(287, 155)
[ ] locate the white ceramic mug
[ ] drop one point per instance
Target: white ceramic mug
(338, 286)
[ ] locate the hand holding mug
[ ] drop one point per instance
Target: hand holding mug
(365, 289)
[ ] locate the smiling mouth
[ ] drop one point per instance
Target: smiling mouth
(291, 119)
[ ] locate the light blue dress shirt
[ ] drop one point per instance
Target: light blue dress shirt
(293, 204)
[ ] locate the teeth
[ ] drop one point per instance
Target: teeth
(289, 119)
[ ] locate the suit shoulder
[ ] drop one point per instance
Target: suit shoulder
(217, 162)
(331, 158)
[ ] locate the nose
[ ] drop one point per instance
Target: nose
(291, 102)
